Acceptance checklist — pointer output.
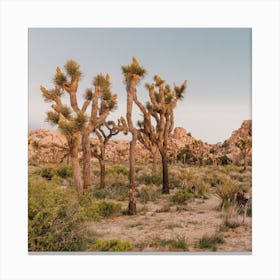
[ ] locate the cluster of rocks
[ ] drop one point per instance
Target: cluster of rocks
(47, 146)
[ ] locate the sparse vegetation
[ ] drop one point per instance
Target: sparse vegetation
(210, 242)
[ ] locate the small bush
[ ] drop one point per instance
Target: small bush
(99, 194)
(209, 242)
(47, 173)
(231, 217)
(107, 209)
(179, 243)
(149, 179)
(64, 171)
(181, 196)
(121, 170)
(114, 245)
(224, 160)
(148, 193)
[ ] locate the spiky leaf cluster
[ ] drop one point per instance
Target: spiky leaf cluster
(72, 69)
(133, 69)
(88, 94)
(65, 111)
(60, 79)
(80, 121)
(52, 117)
(50, 95)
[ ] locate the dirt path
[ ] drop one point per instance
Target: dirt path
(166, 221)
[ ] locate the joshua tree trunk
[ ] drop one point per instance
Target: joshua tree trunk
(102, 168)
(154, 168)
(74, 151)
(132, 199)
(165, 180)
(245, 162)
(86, 160)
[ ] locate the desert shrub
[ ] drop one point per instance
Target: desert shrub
(118, 191)
(93, 210)
(150, 179)
(114, 245)
(47, 173)
(107, 209)
(56, 217)
(231, 217)
(53, 218)
(179, 243)
(182, 196)
(200, 189)
(224, 160)
(209, 242)
(64, 171)
(99, 193)
(148, 193)
(120, 169)
(226, 192)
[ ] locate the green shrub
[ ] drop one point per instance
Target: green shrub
(181, 196)
(99, 194)
(114, 245)
(107, 209)
(209, 242)
(150, 179)
(47, 173)
(64, 171)
(53, 218)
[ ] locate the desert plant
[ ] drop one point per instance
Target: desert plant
(160, 108)
(64, 171)
(47, 173)
(226, 192)
(113, 245)
(245, 146)
(209, 242)
(181, 196)
(133, 73)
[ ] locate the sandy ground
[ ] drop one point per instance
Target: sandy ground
(192, 221)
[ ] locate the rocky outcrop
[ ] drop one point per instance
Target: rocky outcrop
(47, 146)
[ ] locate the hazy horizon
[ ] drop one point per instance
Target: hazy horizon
(216, 63)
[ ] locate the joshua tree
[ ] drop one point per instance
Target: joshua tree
(197, 148)
(161, 106)
(73, 121)
(103, 102)
(245, 146)
(133, 73)
(104, 134)
(70, 124)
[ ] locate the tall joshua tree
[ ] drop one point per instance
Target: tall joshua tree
(104, 134)
(161, 106)
(245, 146)
(133, 73)
(103, 102)
(73, 121)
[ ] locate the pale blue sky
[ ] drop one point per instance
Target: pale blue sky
(215, 62)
